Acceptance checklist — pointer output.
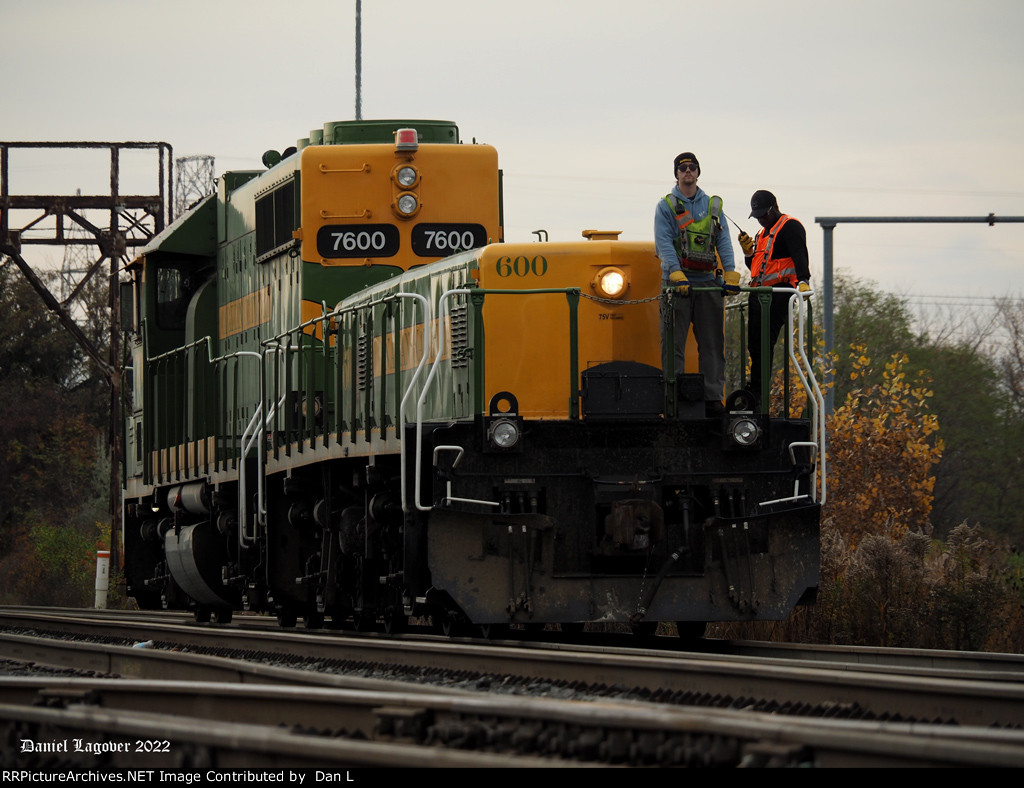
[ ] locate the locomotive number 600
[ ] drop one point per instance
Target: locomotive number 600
(522, 266)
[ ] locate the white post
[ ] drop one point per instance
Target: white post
(102, 578)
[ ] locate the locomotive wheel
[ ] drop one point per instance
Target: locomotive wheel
(494, 631)
(286, 618)
(448, 626)
(202, 614)
(222, 615)
(395, 623)
(148, 601)
(691, 630)
(314, 621)
(363, 622)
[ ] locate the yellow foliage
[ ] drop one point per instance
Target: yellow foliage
(882, 447)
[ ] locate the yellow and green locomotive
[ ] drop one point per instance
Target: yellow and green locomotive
(352, 400)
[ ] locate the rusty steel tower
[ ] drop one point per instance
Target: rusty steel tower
(110, 224)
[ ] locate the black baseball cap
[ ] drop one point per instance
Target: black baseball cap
(684, 157)
(761, 202)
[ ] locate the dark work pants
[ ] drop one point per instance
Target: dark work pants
(706, 311)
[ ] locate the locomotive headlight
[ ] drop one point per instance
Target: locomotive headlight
(610, 282)
(744, 431)
(406, 176)
(407, 204)
(504, 433)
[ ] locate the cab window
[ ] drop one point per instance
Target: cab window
(173, 291)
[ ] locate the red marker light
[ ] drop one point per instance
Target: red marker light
(406, 139)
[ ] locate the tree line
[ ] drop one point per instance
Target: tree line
(924, 518)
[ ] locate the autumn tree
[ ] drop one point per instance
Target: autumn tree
(49, 450)
(866, 317)
(972, 399)
(882, 449)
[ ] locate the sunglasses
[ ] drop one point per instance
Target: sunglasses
(690, 167)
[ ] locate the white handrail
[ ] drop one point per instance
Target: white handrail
(408, 390)
(243, 533)
(459, 451)
(815, 397)
(442, 304)
(249, 437)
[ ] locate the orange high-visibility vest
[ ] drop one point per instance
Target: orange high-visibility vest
(768, 272)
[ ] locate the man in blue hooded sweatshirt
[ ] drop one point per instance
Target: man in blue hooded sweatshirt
(692, 246)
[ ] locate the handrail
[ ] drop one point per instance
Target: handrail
(815, 397)
(243, 535)
(249, 437)
(416, 375)
(804, 371)
(442, 303)
(265, 412)
(427, 315)
(459, 452)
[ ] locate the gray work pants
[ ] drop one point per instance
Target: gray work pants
(706, 311)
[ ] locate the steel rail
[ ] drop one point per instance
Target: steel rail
(976, 698)
(571, 731)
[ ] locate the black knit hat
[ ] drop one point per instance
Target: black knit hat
(761, 203)
(680, 159)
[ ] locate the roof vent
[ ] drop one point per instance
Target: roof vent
(602, 235)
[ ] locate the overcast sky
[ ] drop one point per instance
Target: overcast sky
(889, 108)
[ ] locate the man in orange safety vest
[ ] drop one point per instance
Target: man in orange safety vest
(777, 257)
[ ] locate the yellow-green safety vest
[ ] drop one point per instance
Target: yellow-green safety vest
(695, 243)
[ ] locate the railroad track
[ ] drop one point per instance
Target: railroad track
(620, 707)
(297, 727)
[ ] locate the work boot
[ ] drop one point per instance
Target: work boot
(713, 408)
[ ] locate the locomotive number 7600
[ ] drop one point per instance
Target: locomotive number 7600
(440, 240)
(357, 240)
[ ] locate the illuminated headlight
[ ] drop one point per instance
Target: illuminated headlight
(744, 431)
(406, 176)
(504, 434)
(610, 283)
(407, 204)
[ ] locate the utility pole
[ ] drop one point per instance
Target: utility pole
(359, 60)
